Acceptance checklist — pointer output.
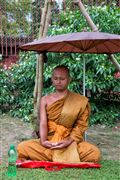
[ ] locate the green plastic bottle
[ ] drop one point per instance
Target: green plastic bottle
(12, 157)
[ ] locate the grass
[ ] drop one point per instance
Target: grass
(110, 170)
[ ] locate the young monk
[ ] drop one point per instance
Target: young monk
(63, 121)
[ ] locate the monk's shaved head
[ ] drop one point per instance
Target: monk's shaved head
(62, 67)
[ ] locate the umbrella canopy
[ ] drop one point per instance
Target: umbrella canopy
(78, 42)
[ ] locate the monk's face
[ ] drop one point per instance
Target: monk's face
(60, 79)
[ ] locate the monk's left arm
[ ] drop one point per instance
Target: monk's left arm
(81, 125)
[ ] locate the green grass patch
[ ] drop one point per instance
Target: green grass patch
(110, 170)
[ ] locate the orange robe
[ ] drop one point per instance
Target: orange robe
(66, 117)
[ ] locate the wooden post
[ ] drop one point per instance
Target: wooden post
(94, 28)
(64, 5)
(118, 3)
(87, 17)
(45, 19)
(41, 57)
(113, 60)
(48, 19)
(39, 61)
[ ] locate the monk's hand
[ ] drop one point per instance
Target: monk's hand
(46, 144)
(62, 144)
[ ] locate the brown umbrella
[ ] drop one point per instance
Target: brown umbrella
(78, 42)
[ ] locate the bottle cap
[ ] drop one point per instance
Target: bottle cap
(12, 146)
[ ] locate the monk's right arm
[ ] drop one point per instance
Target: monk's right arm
(43, 120)
(43, 124)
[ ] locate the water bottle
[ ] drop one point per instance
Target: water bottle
(12, 157)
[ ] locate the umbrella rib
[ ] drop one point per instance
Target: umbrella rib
(47, 44)
(107, 46)
(73, 48)
(87, 45)
(61, 47)
(75, 45)
(97, 49)
(115, 44)
(57, 47)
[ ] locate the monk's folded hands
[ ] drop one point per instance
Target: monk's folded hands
(46, 144)
(62, 144)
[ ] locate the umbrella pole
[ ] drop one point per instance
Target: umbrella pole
(84, 77)
(84, 67)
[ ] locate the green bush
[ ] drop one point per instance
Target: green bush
(105, 113)
(17, 87)
(6, 90)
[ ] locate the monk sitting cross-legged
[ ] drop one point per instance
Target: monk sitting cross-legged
(63, 121)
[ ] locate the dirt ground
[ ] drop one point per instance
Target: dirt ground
(12, 130)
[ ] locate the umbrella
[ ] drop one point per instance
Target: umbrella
(78, 42)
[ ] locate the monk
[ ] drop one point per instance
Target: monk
(63, 121)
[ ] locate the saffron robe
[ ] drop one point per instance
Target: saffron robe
(66, 117)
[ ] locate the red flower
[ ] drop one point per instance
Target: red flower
(117, 75)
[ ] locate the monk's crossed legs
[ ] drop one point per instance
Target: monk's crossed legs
(32, 150)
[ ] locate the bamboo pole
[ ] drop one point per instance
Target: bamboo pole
(39, 59)
(48, 19)
(113, 60)
(94, 28)
(87, 17)
(45, 19)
